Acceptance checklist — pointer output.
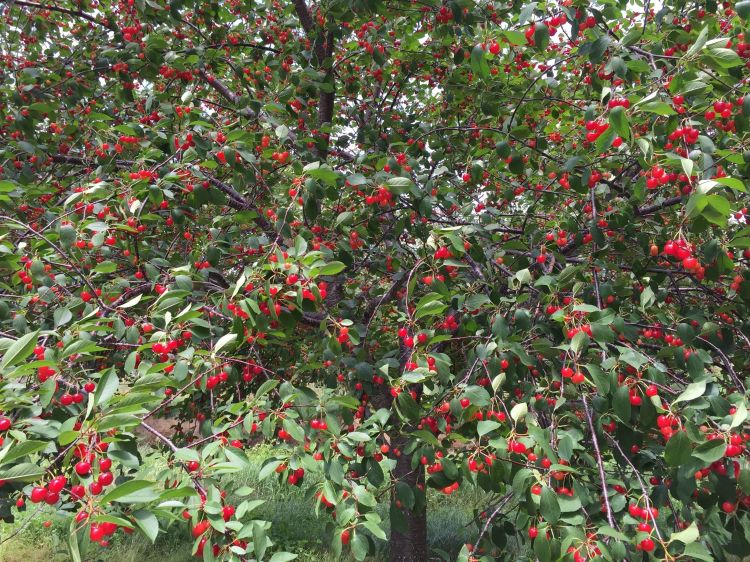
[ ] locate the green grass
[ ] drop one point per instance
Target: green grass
(296, 528)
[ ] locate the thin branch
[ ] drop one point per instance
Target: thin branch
(75, 13)
(599, 461)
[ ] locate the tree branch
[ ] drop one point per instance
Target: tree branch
(226, 93)
(75, 13)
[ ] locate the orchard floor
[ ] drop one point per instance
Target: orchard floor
(295, 528)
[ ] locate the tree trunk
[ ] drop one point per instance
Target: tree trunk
(408, 526)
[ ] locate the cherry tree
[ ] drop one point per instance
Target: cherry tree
(415, 246)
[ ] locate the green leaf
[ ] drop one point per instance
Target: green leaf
(224, 341)
(260, 541)
(75, 553)
(598, 48)
(515, 37)
(733, 183)
(17, 450)
(743, 9)
(519, 411)
(19, 350)
(106, 388)
(516, 164)
(332, 268)
(696, 551)
(692, 391)
(25, 472)
(358, 436)
(407, 408)
(542, 550)
(478, 62)
(294, 429)
(621, 403)
(148, 523)
(266, 387)
(601, 380)
(106, 267)
(62, 316)
(710, 451)
(658, 107)
(132, 491)
(549, 506)
(724, 58)
(187, 454)
(699, 42)
(326, 175)
(486, 426)
(678, 449)
(647, 297)
(269, 467)
(579, 342)
(618, 121)
(430, 308)
(375, 529)
(604, 141)
(541, 36)
(359, 546)
(688, 536)
(478, 396)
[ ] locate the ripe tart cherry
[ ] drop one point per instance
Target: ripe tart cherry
(38, 494)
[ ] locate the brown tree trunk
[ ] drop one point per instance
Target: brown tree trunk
(408, 526)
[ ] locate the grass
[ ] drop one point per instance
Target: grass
(296, 528)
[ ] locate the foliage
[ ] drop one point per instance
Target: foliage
(445, 245)
(295, 525)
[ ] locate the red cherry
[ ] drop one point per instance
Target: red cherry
(728, 507)
(647, 545)
(200, 528)
(38, 494)
(52, 498)
(83, 468)
(96, 532)
(533, 532)
(106, 478)
(57, 484)
(345, 536)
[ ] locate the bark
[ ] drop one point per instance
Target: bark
(322, 45)
(408, 544)
(408, 526)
